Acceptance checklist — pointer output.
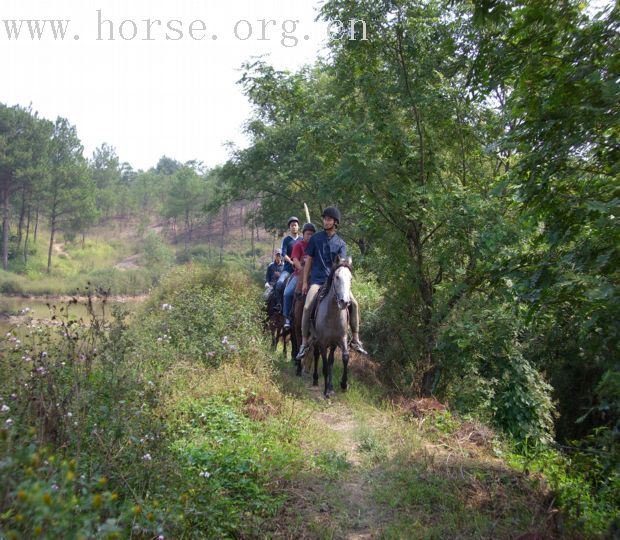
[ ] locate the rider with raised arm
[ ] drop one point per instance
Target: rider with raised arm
(287, 249)
(298, 257)
(321, 254)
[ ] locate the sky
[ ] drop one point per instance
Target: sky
(148, 96)
(151, 97)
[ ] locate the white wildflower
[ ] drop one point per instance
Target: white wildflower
(147, 457)
(4, 408)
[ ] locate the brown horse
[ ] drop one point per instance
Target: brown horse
(274, 323)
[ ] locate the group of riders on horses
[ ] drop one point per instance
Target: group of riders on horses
(302, 266)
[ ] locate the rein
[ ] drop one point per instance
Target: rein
(330, 279)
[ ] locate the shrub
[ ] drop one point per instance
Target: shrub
(112, 430)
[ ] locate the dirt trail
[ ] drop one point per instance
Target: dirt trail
(387, 474)
(341, 507)
(356, 489)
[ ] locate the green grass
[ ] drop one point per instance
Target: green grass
(79, 267)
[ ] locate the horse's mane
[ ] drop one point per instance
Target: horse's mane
(335, 266)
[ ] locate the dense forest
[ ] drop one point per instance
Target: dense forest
(473, 150)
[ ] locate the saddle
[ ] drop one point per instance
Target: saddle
(317, 300)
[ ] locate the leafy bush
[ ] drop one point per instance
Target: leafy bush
(158, 428)
(486, 373)
(589, 499)
(156, 252)
(10, 283)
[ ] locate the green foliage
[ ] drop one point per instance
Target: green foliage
(98, 445)
(156, 252)
(332, 463)
(490, 375)
(223, 456)
(589, 499)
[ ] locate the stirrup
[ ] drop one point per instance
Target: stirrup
(303, 350)
(357, 346)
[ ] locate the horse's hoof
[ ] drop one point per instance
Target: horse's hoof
(344, 386)
(315, 382)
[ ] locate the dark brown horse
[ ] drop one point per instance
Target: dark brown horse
(274, 323)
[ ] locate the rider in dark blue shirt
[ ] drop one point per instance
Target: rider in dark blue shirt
(324, 249)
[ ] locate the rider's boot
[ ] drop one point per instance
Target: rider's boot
(356, 344)
(305, 347)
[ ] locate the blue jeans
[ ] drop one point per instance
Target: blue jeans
(288, 296)
(280, 285)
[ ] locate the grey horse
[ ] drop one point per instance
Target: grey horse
(331, 328)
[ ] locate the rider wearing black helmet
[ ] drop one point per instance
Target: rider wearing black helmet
(287, 249)
(298, 257)
(321, 253)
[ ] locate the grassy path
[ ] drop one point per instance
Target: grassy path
(383, 473)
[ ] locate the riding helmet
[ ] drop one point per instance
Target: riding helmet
(308, 227)
(332, 212)
(291, 219)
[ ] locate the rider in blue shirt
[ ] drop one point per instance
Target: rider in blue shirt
(322, 250)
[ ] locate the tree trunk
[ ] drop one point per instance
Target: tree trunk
(5, 224)
(49, 251)
(429, 331)
(36, 225)
(209, 223)
(253, 250)
(27, 234)
(22, 213)
(185, 236)
(222, 244)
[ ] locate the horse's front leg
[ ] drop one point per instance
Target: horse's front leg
(274, 332)
(315, 375)
(325, 371)
(345, 364)
(294, 345)
(329, 387)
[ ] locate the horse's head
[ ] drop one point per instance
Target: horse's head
(342, 276)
